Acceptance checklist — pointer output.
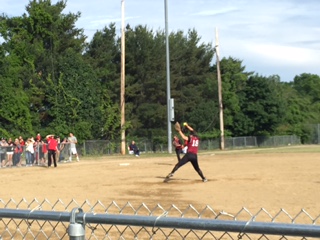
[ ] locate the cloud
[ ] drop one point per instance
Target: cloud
(215, 12)
(288, 55)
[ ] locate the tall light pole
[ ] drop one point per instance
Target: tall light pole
(122, 92)
(168, 77)
(219, 93)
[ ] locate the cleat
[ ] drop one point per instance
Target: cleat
(167, 178)
(204, 180)
(169, 175)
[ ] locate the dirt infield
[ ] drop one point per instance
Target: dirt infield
(253, 179)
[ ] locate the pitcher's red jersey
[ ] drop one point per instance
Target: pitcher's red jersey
(193, 145)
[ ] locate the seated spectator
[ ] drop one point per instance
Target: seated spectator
(133, 149)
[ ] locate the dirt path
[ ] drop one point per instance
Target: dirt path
(272, 181)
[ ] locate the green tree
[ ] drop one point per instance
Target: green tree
(263, 106)
(234, 81)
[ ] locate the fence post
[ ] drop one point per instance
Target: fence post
(84, 148)
(76, 231)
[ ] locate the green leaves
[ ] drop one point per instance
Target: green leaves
(52, 80)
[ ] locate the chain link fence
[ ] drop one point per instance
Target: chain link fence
(73, 220)
(101, 147)
(106, 147)
(312, 135)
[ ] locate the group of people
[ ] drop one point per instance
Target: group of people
(51, 147)
(38, 151)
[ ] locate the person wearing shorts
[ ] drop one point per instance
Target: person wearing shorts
(72, 140)
(10, 149)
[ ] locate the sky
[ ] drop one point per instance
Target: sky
(274, 37)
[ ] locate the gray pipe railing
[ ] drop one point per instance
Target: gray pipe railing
(271, 228)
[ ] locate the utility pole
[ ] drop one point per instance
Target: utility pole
(122, 93)
(219, 93)
(169, 107)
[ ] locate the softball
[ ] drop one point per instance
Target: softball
(185, 124)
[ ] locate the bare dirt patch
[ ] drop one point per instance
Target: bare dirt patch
(254, 181)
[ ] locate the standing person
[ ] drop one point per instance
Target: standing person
(73, 150)
(61, 150)
(10, 149)
(58, 148)
(191, 155)
(133, 147)
(38, 137)
(43, 152)
(178, 147)
(3, 149)
(18, 149)
(52, 150)
(29, 151)
(36, 146)
(22, 142)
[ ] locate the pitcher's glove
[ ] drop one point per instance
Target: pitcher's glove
(177, 126)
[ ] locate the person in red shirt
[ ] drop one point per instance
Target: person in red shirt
(52, 150)
(43, 152)
(191, 155)
(178, 147)
(22, 142)
(38, 137)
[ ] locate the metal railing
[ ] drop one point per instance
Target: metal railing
(98, 221)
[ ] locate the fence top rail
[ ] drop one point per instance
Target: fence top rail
(163, 221)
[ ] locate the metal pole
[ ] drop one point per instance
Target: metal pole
(76, 230)
(220, 93)
(168, 77)
(122, 94)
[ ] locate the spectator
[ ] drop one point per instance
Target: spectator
(37, 151)
(61, 148)
(22, 142)
(10, 149)
(73, 150)
(38, 137)
(134, 148)
(52, 150)
(43, 152)
(18, 149)
(3, 149)
(29, 151)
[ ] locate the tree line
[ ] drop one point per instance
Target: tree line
(54, 81)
